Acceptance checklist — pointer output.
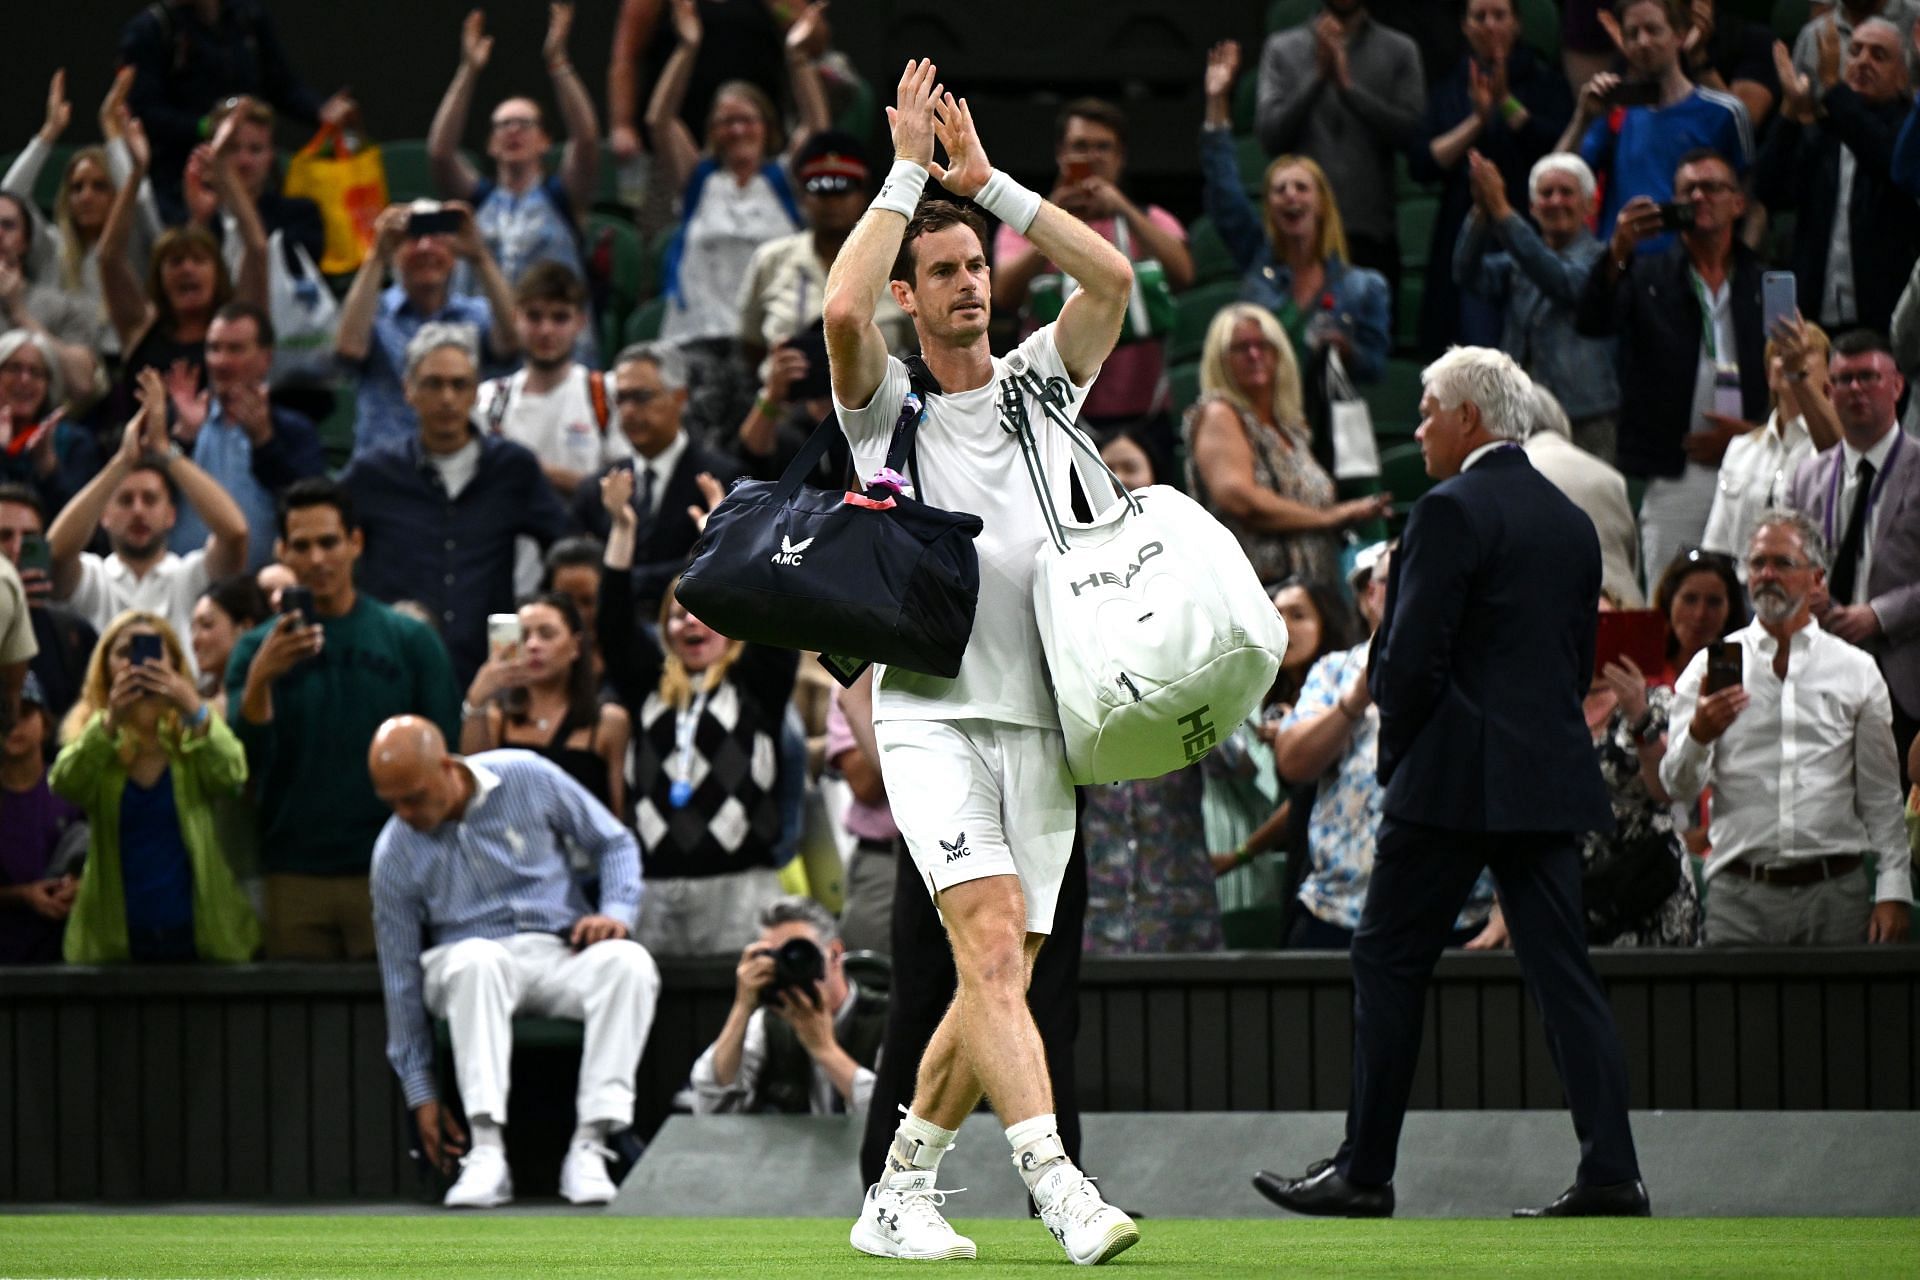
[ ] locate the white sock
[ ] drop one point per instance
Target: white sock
(918, 1145)
(1036, 1146)
(594, 1131)
(486, 1133)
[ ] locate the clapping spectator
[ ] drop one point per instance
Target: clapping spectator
(1293, 252)
(69, 326)
(377, 324)
(1693, 372)
(188, 56)
(135, 501)
(42, 840)
(526, 215)
(1507, 104)
(146, 759)
(39, 447)
(1346, 91)
(1250, 458)
(740, 43)
(441, 508)
(234, 432)
(1733, 55)
(66, 641)
(1807, 732)
(1841, 19)
(1760, 465)
(1090, 153)
(1830, 157)
(1634, 149)
(307, 692)
(1536, 277)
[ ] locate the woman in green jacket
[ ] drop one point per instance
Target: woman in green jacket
(146, 759)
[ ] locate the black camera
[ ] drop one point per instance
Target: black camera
(797, 965)
(1676, 216)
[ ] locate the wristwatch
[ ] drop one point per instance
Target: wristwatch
(1645, 731)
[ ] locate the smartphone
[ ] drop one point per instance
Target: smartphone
(1635, 93)
(431, 218)
(1725, 669)
(1675, 216)
(144, 647)
(503, 634)
(1779, 299)
(34, 554)
(298, 599)
(1076, 171)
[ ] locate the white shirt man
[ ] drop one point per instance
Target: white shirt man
(1755, 475)
(569, 427)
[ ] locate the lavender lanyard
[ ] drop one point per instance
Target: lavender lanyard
(1873, 495)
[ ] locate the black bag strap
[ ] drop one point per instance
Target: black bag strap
(901, 452)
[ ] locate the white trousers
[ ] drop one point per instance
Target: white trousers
(478, 984)
(1673, 516)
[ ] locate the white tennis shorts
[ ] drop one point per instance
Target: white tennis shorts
(978, 798)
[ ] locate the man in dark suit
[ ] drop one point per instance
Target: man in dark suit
(1486, 760)
(649, 397)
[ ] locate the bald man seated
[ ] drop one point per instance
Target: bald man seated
(472, 867)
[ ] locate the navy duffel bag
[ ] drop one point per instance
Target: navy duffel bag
(874, 576)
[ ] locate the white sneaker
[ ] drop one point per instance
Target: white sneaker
(583, 1175)
(1087, 1227)
(900, 1218)
(484, 1183)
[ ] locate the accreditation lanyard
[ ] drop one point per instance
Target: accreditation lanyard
(686, 720)
(1707, 334)
(1873, 494)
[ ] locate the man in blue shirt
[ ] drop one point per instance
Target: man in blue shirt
(377, 325)
(472, 858)
(254, 448)
(442, 506)
(1635, 149)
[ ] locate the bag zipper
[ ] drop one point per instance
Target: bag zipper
(1127, 683)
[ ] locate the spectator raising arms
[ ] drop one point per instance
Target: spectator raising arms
(1292, 254)
(145, 759)
(1249, 457)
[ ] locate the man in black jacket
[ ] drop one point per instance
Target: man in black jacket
(1693, 371)
(1858, 235)
(1485, 759)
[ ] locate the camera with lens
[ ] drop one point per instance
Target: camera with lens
(797, 965)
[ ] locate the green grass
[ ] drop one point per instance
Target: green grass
(548, 1248)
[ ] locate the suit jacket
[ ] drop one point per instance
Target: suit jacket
(1800, 169)
(1485, 655)
(1601, 492)
(667, 539)
(1655, 313)
(1893, 587)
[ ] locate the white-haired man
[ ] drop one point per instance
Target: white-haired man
(1478, 671)
(976, 764)
(1799, 753)
(442, 507)
(1595, 487)
(1536, 278)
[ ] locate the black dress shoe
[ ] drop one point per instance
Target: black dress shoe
(1621, 1200)
(1324, 1193)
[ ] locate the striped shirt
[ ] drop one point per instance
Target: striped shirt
(496, 871)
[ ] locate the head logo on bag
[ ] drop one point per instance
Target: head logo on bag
(1105, 579)
(1197, 733)
(789, 552)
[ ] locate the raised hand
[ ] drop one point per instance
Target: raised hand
(340, 108)
(196, 185)
(559, 26)
(136, 135)
(1629, 685)
(910, 119)
(812, 20)
(59, 111)
(151, 392)
(1593, 97)
(1826, 59)
(967, 168)
(616, 495)
(190, 401)
(466, 242)
(1223, 64)
(476, 46)
(1480, 90)
(712, 493)
(1489, 188)
(113, 107)
(686, 21)
(1796, 93)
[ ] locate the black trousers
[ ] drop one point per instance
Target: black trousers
(1905, 729)
(1421, 878)
(923, 987)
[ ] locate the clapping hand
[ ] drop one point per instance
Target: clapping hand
(967, 168)
(616, 495)
(910, 120)
(559, 25)
(712, 493)
(1223, 64)
(686, 22)
(476, 46)
(191, 402)
(1629, 685)
(811, 22)
(59, 110)
(1488, 186)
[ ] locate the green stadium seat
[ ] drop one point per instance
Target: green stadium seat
(644, 324)
(1183, 388)
(653, 263)
(1246, 95)
(409, 175)
(1540, 26)
(1416, 216)
(1394, 402)
(1282, 14)
(1253, 164)
(1194, 311)
(1212, 261)
(336, 431)
(1788, 17)
(1406, 317)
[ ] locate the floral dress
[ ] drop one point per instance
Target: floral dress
(1149, 879)
(1283, 463)
(1638, 817)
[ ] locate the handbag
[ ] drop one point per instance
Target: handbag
(874, 576)
(350, 186)
(1158, 636)
(1150, 308)
(1356, 455)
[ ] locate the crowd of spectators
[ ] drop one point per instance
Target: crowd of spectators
(249, 511)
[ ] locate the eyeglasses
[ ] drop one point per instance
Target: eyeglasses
(1779, 564)
(1856, 377)
(31, 371)
(639, 397)
(507, 124)
(435, 384)
(1704, 189)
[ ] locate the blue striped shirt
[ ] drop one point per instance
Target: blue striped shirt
(496, 871)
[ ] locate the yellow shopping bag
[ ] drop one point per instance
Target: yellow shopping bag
(349, 185)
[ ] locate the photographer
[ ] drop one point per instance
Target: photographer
(817, 1052)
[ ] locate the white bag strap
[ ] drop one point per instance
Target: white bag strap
(1054, 396)
(1339, 384)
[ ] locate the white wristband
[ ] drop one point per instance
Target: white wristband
(900, 193)
(1008, 201)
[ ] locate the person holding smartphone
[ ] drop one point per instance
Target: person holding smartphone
(146, 759)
